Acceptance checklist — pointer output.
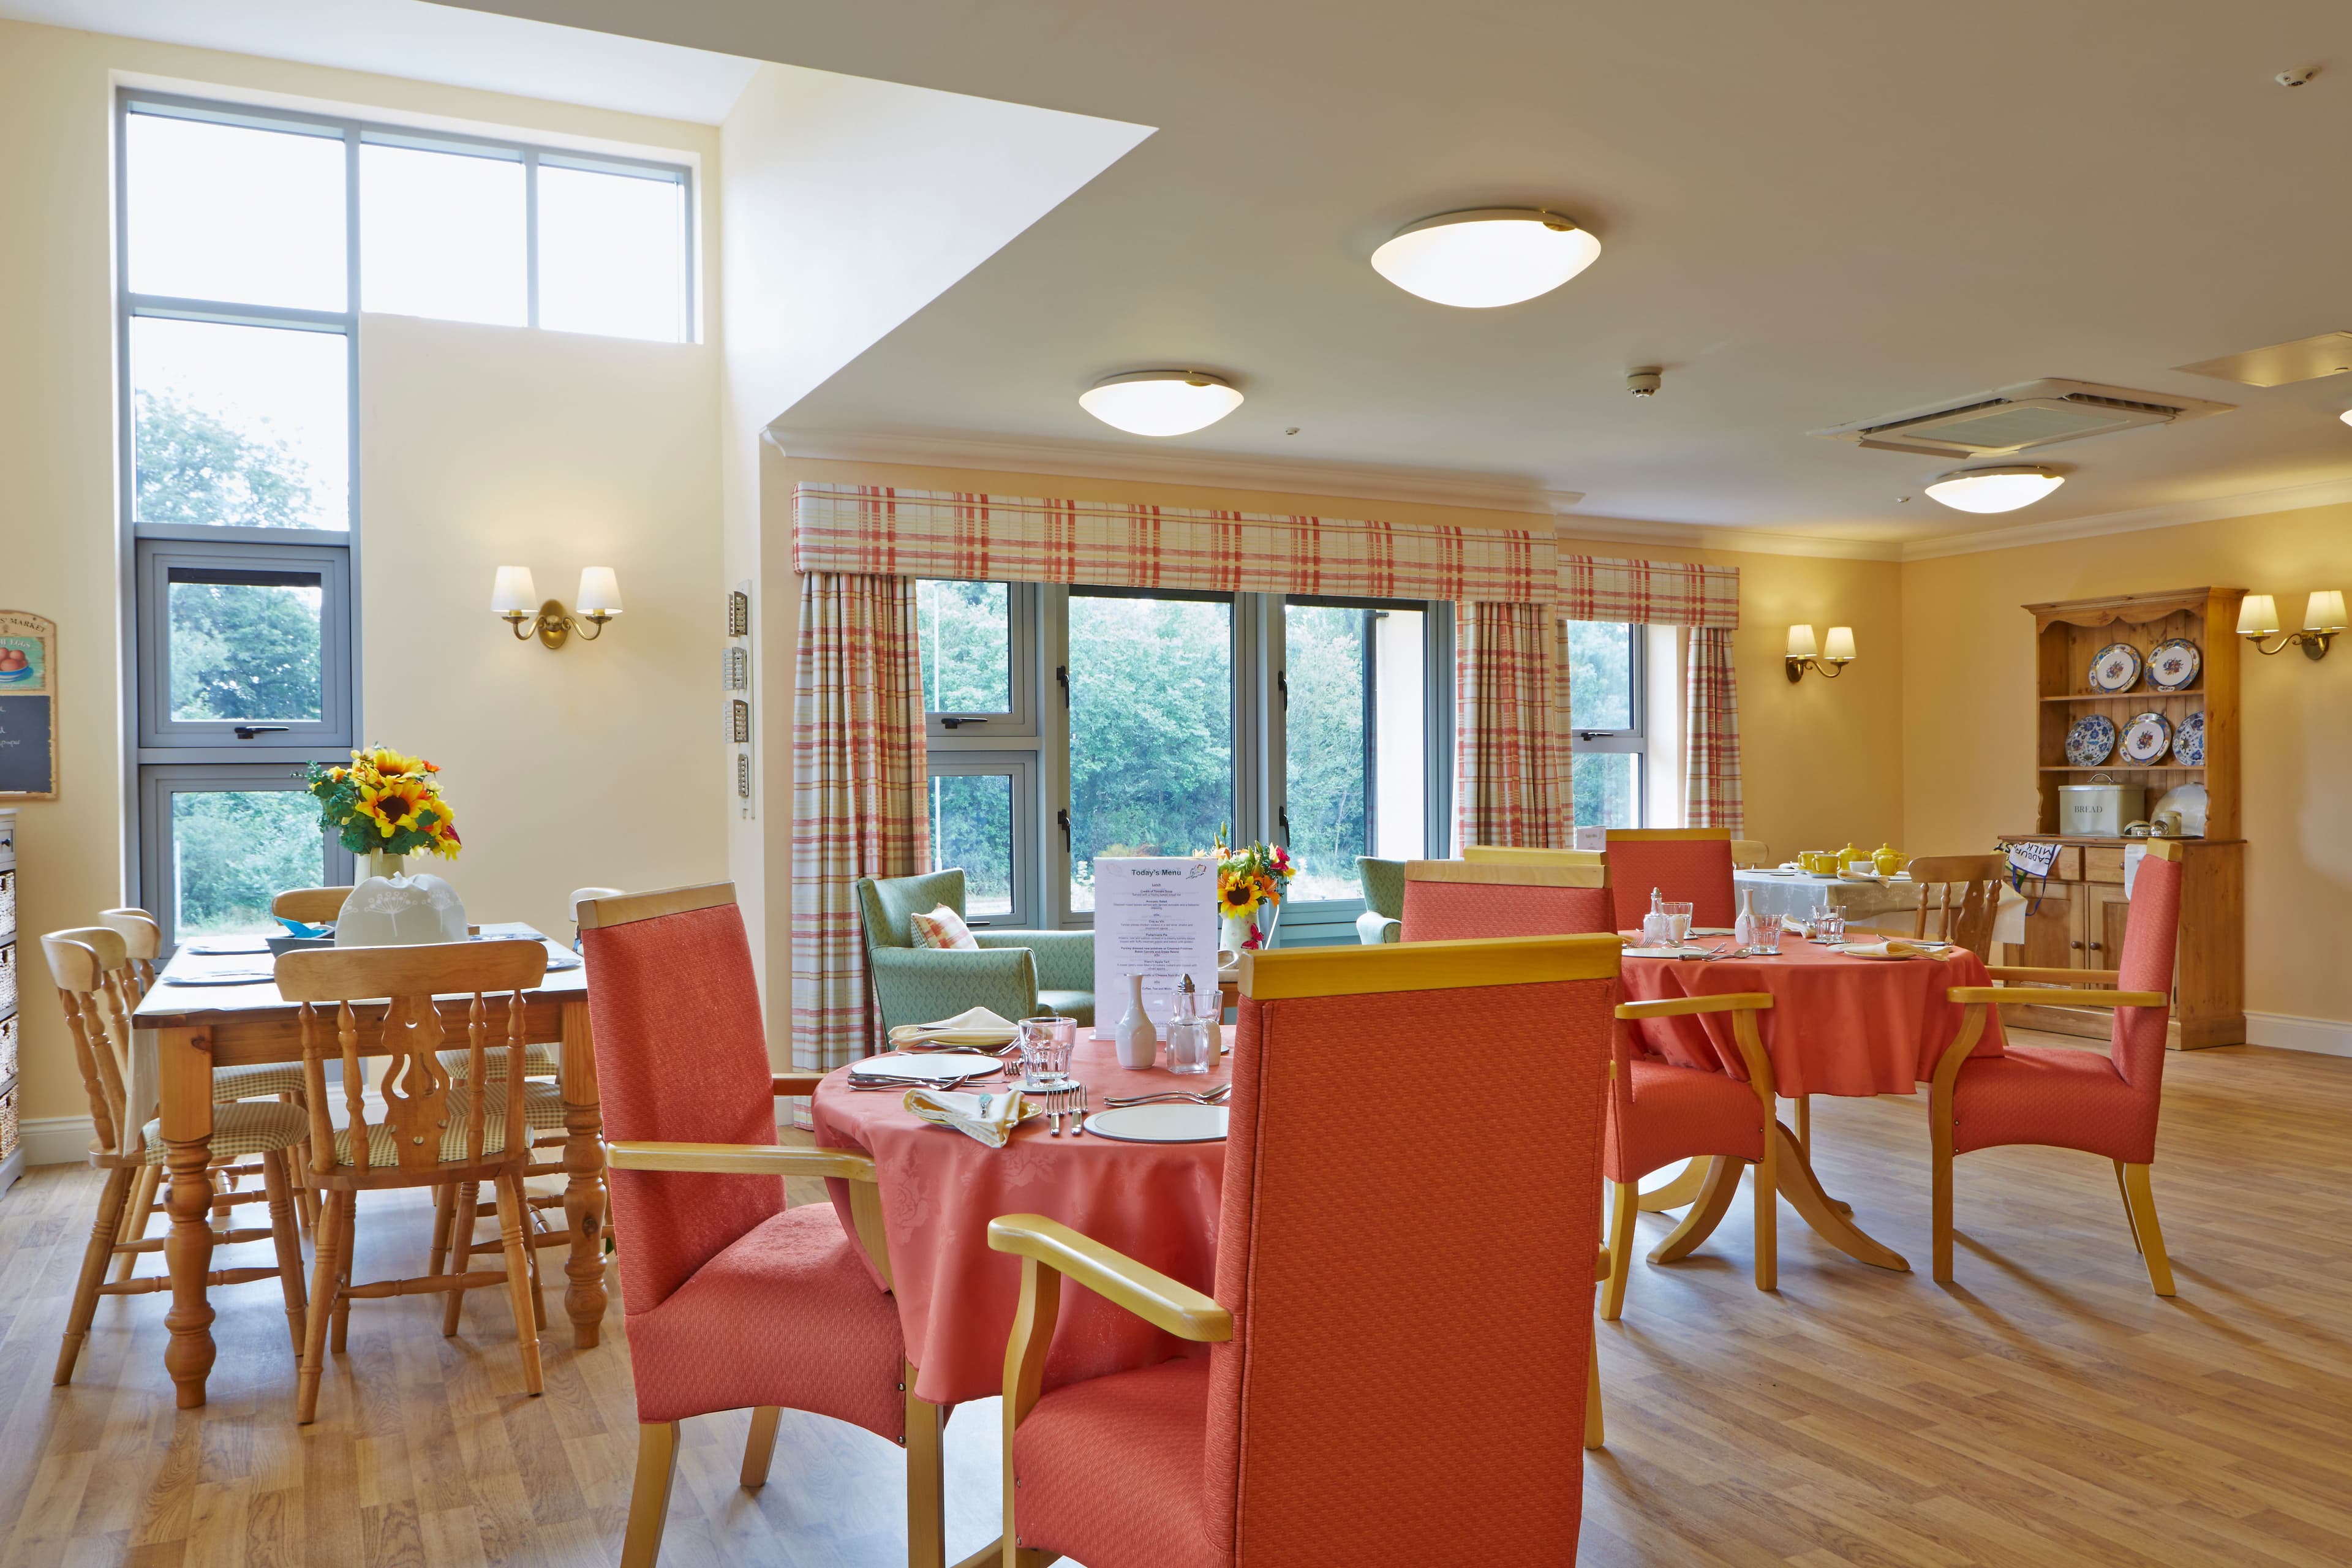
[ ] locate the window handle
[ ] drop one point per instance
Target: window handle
(953, 720)
(1062, 673)
(1063, 816)
(1283, 818)
(247, 732)
(1282, 685)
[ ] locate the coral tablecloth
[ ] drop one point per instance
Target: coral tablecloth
(1156, 1202)
(1838, 1026)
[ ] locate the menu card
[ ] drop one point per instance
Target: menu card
(1155, 916)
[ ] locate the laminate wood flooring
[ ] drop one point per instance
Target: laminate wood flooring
(2046, 1409)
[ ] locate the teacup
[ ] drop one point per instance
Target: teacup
(1819, 862)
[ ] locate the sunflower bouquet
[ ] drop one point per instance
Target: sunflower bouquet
(1248, 878)
(384, 804)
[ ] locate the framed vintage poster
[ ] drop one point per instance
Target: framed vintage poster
(28, 706)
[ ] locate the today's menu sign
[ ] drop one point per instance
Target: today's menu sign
(1155, 916)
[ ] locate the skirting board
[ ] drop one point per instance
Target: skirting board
(2285, 1031)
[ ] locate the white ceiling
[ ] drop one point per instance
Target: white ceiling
(429, 43)
(1811, 213)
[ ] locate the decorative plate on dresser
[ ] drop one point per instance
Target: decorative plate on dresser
(2091, 741)
(2147, 738)
(2115, 667)
(2189, 741)
(2172, 665)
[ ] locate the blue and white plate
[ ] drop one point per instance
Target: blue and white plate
(2189, 741)
(17, 676)
(2147, 738)
(2115, 667)
(2092, 741)
(2172, 665)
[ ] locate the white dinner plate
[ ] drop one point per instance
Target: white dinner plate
(1710, 931)
(228, 947)
(1175, 1123)
(942, 1066)
(224, 977)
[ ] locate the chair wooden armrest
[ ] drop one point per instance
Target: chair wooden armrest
(1150, 1295)
(2052, 996)
(2054, 977)
(741, 1160)
(1677, 1006)
(796, 1083)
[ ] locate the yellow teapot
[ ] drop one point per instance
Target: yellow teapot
(1848, 855)
(1888, 860)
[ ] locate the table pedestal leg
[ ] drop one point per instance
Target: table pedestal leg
(1819, 1210)
(1683, 1189)
(1719, 1184)
(183, 1064)
(583, 1193)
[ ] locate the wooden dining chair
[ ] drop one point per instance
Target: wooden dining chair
(433, 1131)
(311, 906)
(2101, 1103)
(1663, 1111)
(1459, 899)
(1959, 896)
(92, 971)
(1400, 1319)
(1499, 852)
(733, 1299)
(1749, 853)
(1690, 865)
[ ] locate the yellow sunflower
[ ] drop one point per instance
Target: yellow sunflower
(394, 803)
(393, 765)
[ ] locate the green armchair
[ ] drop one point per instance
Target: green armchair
(1383, 917)
(1016, 974)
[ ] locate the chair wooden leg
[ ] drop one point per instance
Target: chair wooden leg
(760, 1448)
(94, 1258)
(461, 1248)
(1766, 1193)
(1624, 1200)
(326, 1281)
(2141, 1201)
(1596, 1433)
(1707, 1211)
(135, 1214)
(2125, 1188)
(649, 1498)
(518, 1290)
(1939, 1185)
(282, 1234)
(444, 1212)
(927, 1526)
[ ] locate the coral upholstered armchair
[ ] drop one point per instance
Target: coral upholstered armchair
(1691, 864)
(1393, 1340)
(1448, 900)
(2103, 1105)
(733, 1300)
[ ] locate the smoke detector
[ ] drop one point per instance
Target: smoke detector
(1642, 382)
(2015, 418)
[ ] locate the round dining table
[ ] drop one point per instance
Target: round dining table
(1839, 1024)
(1157, 1203)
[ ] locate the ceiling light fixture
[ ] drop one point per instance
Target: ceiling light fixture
(1161, 401)
(1993, 490)
(1485, 257)
(2345, 417)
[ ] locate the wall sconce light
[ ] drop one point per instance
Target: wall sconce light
(2323, 618)
(1829, 665)
(514, 598)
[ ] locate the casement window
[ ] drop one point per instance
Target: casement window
(1608, 704)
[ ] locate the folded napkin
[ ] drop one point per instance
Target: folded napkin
(1895, 947)
(977, 1026)
(1681, 950)
(1792, 925)
(961, 1111)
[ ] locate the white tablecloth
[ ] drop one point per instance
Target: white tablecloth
(1799, 893)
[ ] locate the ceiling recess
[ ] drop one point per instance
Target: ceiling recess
(2017, 418)
(2305, 359)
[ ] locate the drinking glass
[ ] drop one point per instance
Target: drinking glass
(1046, 1043)
(1679, 920)
(1829, 925)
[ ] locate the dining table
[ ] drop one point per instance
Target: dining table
(938, 1187)
(1779, 891)
(215, 1004)
(1840, 1025)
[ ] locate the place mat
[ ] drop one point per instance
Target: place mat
(223, 977)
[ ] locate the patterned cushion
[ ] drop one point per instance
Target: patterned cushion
(243, 1127)
(543, 1110)
(1158, 1418)
(1674, 1112)
(263, 1080)
(2065, 1097)
(943, 928)
(538, 1061)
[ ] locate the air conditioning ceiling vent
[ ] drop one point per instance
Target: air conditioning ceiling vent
(2018, 419)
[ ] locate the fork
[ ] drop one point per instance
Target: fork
(1173, 1097)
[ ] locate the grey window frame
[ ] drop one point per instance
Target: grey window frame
(158, 783)
(158, 730)
(1634, 738)
(1018, 721)
(1021, 768)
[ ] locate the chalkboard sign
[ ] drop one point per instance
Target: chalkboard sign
(28, 695)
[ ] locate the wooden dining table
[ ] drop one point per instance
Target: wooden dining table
(200, 1027)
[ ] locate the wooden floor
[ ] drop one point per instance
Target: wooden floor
(2045, 1410)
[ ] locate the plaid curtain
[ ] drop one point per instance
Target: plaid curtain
(1511, 780)
(1711, 792)
(858, 797)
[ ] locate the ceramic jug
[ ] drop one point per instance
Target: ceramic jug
(1135, 1039)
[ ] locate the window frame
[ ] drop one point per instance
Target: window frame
(156, 558)
(1019, 721)
(159, 783)
(1633, 739)
(1021, 768)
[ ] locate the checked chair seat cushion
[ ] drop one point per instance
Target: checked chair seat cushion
(242, 1127)
(538, 1061)
(542, 1111)
(262, 1080)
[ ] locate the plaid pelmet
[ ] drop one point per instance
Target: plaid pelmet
(858, 802)
(1511, 780)
(873, 530)
(1711, 791)
(1649, 593)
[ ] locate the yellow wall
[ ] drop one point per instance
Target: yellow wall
(1968, 754)
(60, 551)
(1822, 761)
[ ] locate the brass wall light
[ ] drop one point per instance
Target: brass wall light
(515, 599)
(1829, 665)
(2323, 618)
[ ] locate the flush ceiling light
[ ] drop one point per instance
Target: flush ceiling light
(1486, 256)
(1994, 490)
(2345, 417)
(1161, 401)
